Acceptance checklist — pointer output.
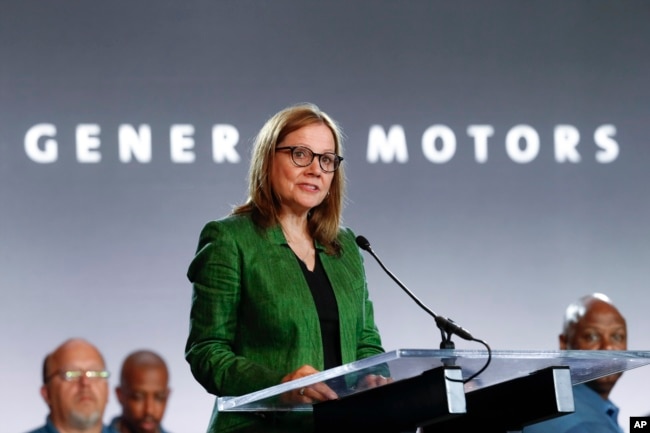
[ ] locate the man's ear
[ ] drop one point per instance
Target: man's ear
(45, 394)
(563, 342)
(118, 393)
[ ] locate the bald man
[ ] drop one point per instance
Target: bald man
(591, 323)
(75, 388)
(142, 393)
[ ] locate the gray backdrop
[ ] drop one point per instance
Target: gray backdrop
(498, 230)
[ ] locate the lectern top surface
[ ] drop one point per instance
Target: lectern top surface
(585, 365)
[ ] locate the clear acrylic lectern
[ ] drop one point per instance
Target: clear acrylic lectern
(427, 389)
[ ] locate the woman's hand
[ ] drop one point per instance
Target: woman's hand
(372, 381)
(308, 394)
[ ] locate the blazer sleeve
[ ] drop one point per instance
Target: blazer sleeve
(215, 274)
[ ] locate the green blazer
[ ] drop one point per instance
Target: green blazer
(253, 318)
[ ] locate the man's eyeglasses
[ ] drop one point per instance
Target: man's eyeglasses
(303, 156)
(75, 375)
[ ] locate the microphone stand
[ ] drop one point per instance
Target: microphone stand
(447, 326)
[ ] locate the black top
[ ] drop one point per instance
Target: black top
(328, 312)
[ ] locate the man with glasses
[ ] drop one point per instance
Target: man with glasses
(591, 323)
(75, 388)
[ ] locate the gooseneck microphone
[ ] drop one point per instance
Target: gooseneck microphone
(445, 325)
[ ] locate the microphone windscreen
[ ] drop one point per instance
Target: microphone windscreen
(363, 243)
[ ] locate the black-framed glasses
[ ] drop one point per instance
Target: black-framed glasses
(75, 375)
(303, 156)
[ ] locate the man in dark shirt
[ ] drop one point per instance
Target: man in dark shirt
(142, 393)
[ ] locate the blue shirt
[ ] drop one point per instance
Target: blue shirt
(592, 414)
(49, 428)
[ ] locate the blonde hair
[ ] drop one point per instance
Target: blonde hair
(264, 204)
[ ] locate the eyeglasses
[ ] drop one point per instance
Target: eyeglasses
(75, 375)
(303, 156)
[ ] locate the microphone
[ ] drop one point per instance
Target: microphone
(445, 325)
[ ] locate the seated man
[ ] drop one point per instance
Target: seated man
(591, 323)
(75, 389)
(142, 393)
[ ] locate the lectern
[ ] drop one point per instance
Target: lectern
(429, 390)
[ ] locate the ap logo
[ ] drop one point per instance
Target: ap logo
(639, 423)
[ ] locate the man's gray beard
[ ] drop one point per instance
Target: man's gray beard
(84, 421)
